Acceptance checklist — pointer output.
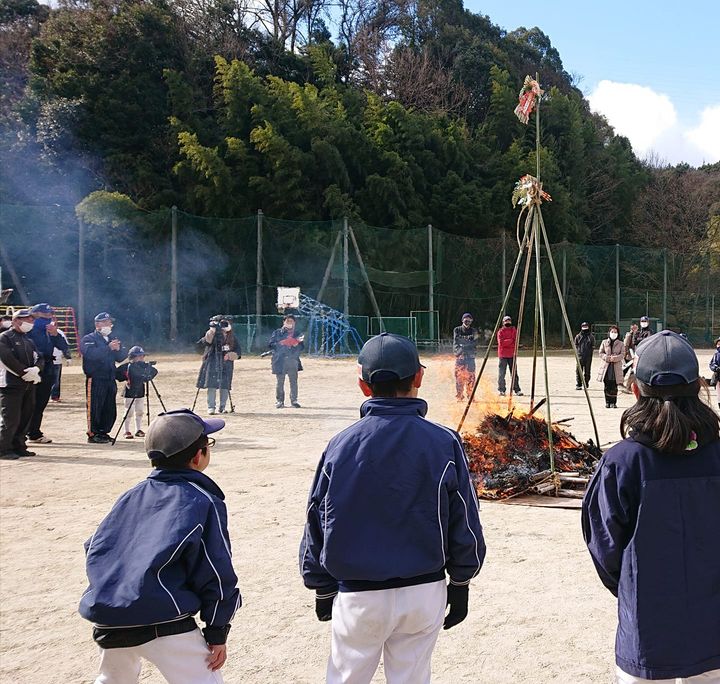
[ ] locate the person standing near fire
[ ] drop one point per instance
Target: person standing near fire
(585, 345)
(286, 346)
(611, 353)
(465, 339)
(101, 350)
(506, 338)
(651, 522)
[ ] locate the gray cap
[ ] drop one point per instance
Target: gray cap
(22, 313)
(388, 357)
(666, 358)
(174, 431)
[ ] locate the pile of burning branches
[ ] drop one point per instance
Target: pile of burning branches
(510, 455)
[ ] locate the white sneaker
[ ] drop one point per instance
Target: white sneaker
(211, 412)
(42, 439)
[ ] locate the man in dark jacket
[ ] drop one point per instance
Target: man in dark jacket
(20, 367)
(465, 339)
(46, 338)
(286, 346)
(585, 345)
(391, 513)
(642, 334)
(161, 555)
(101, 350)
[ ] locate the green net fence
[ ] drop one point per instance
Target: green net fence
(127, 270)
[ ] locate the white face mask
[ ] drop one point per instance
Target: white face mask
(26, 327)
(613, 336)
(644, 324)
(106, 330)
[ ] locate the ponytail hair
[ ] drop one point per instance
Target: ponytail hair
(670, 414)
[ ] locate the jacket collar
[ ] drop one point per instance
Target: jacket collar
(381, 406)
(188, 475)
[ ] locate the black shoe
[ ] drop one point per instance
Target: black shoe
(279, 404)
(607, 404)
(26, 452)
(99, 439)
(578, 387)
(9, 456)
(294, 404)
(518, 393)
(614, 405)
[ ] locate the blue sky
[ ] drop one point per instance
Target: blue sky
(650, 67)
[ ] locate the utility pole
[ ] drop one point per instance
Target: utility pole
(173, 277)
(431, 283)
(346, 264)
(258, 272)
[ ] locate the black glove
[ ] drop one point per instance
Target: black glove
(457, 599)
(323, 604)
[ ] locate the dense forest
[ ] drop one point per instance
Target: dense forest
(396, 113)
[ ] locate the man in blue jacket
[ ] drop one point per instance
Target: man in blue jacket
(46, 338)
(101, 350)
(392, 510)
(286, 346)
(161, 555)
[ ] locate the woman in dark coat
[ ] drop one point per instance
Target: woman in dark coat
(220, 350)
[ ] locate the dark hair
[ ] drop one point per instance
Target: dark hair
(287, 316)
(613, 327)
(182, 458)
(391, 388)
(668, 414)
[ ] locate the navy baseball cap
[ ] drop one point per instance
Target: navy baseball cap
(467, 315)
(388, 357)
(103, 316)
(173, 431)
(666, 358)
(22, 313)
(644, 318)
(137, 350)
(43, 308)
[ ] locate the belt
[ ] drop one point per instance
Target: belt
(125, 637)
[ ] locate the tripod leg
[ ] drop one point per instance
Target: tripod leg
(147, 402)
(195, 400)
(158, 396)
(232, 407)
(114, 439)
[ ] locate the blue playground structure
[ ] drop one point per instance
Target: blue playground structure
(329, 333)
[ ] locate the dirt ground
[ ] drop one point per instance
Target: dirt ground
(538, 613)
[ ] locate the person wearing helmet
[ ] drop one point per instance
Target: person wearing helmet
(135, 373)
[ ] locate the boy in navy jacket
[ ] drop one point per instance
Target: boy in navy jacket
(160, 556)
(651, 521)
(391, 511)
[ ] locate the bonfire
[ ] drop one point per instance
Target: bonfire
(510, 455)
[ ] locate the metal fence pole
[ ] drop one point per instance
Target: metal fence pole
(502, 287)
(431, 285)
(173, 276)
(617, 284)
(346, 264)
(81, 277)
(258, 272)
(564, 294)
(665, 321)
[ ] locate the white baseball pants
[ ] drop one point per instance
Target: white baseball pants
(710, 677)
(137, 410)
(401, 625)
(181, 659)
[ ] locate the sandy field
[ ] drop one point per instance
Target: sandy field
(538, 613)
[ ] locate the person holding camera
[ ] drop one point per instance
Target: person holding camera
(221, 348)
(100, 351)
(135, 373)
(286, 346)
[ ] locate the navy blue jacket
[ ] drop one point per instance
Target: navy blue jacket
(715, 362)
(281, 352)
(46, 343)
(98, 360)
(392, 505)
(465, 346)
(652, 525)
(161, 553)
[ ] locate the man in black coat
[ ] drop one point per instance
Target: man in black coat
(20, 367)
(286, 346)
(101, 350)
(465, 339)
(585, 345)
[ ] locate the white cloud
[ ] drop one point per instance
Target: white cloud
(650, 121)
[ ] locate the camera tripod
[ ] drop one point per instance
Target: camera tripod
(220, 362)
(147, 399)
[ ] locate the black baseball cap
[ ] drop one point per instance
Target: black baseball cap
(666, 358)
(388, 357)
(173, 431)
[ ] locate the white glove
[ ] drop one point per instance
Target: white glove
(32, 374)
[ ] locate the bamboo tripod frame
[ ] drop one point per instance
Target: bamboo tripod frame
(530, 245)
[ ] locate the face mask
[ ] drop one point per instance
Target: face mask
(5, 325)
(507, 325)
(613, 336)
(26, 327)
(226, 328)
(644, 325)
(106, 330)
(584, 331)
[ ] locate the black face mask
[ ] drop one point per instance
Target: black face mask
(585, 331)
(507, 325)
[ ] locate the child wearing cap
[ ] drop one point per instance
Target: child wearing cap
(651, 521)
(135, 373)
(391, 511)
(161, 555)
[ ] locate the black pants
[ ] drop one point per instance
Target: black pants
(611, 388)
(585, 363)
(464, 378)
(57, 377)
(16, 410)
(100, 402)
(42, 397)
(503, 366)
